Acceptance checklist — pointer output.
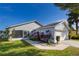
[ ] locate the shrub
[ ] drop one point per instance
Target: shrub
(33, 38)
(73, 35)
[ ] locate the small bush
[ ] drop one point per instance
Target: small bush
(73, 35)
(33, 38)
(3, 40)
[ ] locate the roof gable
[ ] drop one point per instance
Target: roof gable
(65, 23)
(53, 24)
(25, 24)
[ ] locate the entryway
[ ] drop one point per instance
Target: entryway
(57, 39)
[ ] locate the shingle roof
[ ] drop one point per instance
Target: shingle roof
(25, 23)
(50, 25)
(53, 24)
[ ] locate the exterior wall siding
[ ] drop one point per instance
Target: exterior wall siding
(60, 26)
(63, 34)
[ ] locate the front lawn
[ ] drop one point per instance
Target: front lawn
(21, 48)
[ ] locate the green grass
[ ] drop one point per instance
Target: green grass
(21, 48)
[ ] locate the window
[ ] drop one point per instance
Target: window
(17, 33)
(26, 33)
(47, 31)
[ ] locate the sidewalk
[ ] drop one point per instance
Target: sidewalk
(40, 45)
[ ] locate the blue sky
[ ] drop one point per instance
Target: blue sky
(11, 14)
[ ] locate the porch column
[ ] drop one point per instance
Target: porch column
(10, 35)
(23, 33)
(55, 38)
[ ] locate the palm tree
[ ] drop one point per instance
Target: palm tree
(73, 10)
(73, 18)
(70, 22)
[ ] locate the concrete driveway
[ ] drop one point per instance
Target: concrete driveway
(45, 46)
(61, 46)
(73, 43)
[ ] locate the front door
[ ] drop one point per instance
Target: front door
(57, 39)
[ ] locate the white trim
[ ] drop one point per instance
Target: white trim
(14, 39)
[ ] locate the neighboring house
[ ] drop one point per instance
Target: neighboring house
(58, 30)
(21, 31)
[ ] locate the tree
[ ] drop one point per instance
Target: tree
(73, 18)
(70, 22)
(73, 13)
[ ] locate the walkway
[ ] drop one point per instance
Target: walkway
(60, 46)
(73, 43)
(41, 45)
